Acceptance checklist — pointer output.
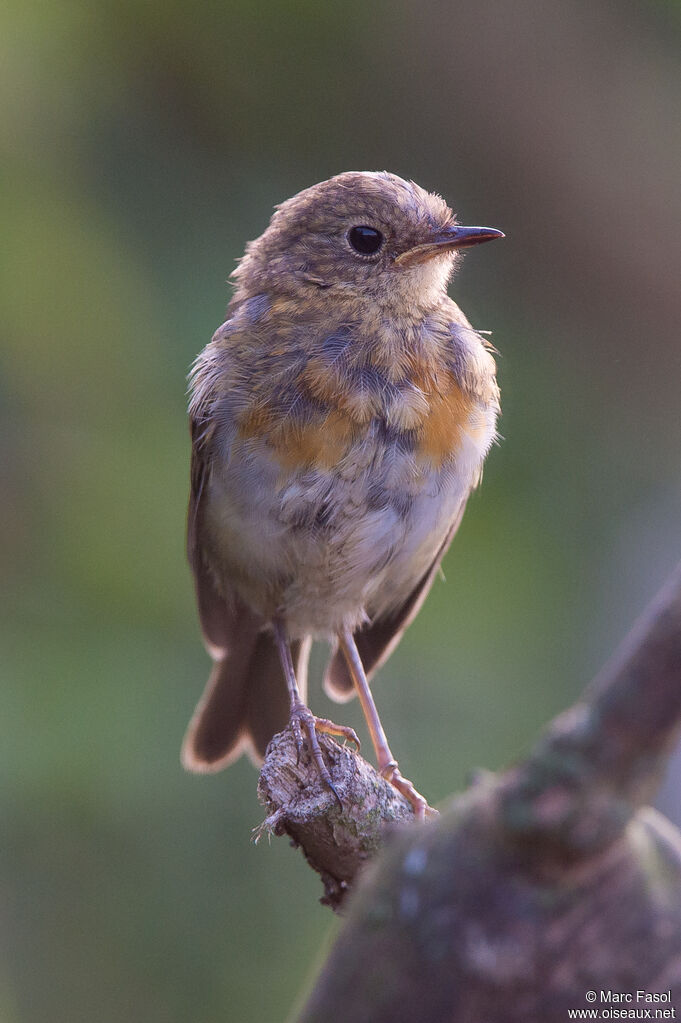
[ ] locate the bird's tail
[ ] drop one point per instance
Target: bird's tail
(244, 704)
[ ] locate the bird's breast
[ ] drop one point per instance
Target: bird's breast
(333, 488)
(324, 412)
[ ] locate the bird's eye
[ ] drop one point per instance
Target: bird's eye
(365, 240)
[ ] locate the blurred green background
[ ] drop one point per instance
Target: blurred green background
(143, 144)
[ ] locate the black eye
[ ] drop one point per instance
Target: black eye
(366, 240)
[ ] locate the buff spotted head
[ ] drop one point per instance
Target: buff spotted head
(362, 235)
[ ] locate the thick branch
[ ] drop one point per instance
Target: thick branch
(537, 885)
(603, 758)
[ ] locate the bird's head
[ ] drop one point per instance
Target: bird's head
(361, 235)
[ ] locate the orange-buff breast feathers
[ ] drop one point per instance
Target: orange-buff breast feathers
(437, 409)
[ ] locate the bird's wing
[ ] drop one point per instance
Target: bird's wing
(377, 640)
(220, 623)
(245, 700)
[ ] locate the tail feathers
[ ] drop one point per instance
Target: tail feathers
(268, 705)
(245, 702)
(373, 646)
(337, 680)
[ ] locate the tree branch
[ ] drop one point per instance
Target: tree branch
(336, 840)
(539, 884)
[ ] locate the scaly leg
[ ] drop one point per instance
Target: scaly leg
(387, 765)
(303, 716)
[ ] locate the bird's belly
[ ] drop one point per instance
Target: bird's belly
(325, 549)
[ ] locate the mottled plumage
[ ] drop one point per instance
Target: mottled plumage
(340, 418)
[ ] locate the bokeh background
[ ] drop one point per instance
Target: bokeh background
(143, 144)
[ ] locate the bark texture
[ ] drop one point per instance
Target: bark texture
(337, 840)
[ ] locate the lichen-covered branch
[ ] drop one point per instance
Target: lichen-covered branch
(337, 840)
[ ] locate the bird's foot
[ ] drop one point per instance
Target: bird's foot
(421, 809)
(302, 719)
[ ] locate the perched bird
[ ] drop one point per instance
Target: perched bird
(339, 418)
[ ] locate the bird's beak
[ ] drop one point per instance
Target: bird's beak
(446, 240)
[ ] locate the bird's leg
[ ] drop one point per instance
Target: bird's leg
(387, 765)
(301, 715)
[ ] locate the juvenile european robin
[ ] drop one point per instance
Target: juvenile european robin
(340, 418)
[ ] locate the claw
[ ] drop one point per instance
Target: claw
(331, 785)
(343, 732)
(421, 809)
(302, 715)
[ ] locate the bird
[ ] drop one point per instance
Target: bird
(339, 418)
